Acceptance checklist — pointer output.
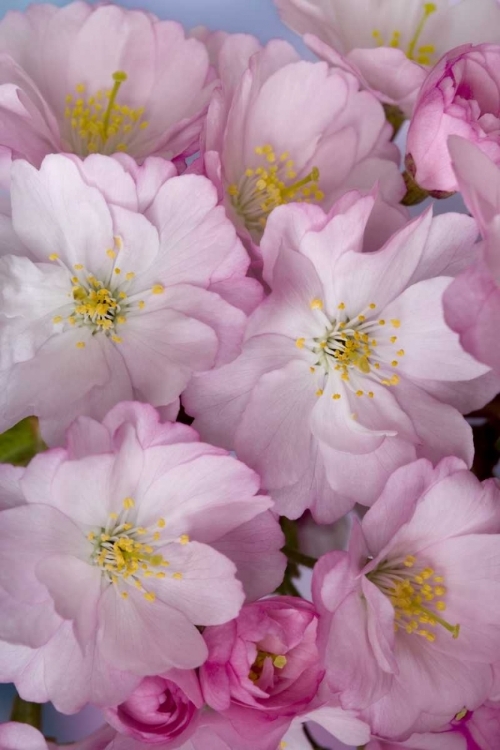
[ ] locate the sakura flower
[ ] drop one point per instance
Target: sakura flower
(472, 302)
(266, 659)
(409, 616)
(279, 124)
(389, 44)
(459, 97)
(348, 368)
(86, 79)
(122, 533)
(121, 292)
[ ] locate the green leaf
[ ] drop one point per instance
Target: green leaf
(19, 444)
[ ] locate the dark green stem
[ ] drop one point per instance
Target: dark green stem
(414, 193)
(395, 117)
(299, 557)
(26, 712)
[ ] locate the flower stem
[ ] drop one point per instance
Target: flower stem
(299, 557)
(395, 117)
(414, 193)
(27, 712)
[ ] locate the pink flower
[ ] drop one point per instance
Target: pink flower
(82, 79)
(348, 369)
(472, 302)
(266, 659)
(409, 617)
(161, 709)
(461, 96)
(112, 556)
(127, 272)
(276, 127)
(389, 44)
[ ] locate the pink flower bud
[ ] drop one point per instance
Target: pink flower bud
(266, 659)
(160, 709)
(459, 97)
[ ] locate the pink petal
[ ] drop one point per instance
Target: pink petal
(147, 637)
(254, 547)
(273, 435)
(218, 399)
(208, 593)
(197, 242)
(75, 587)
(74, 223)
(205, 499)
(431, 350)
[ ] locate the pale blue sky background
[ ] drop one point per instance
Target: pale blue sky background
(257, 17)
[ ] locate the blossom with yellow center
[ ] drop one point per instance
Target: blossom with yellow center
(103, 305)
(349, 344)
(126, 553)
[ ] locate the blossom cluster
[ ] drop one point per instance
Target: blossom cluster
(244, 355)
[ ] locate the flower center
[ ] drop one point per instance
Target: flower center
(279, 661)
(423, 53)
(126, 553)
(348, 343)
(416, 593)
(102, 305)
(98, 124)
(263, 188)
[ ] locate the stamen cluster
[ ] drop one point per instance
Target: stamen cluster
(349, 342)
(263, 188)
(416, 596)
(126, 553)
(422, 54)
(97, 123)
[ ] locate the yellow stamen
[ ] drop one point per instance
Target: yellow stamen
(429, 9)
